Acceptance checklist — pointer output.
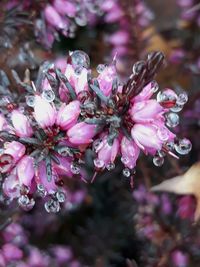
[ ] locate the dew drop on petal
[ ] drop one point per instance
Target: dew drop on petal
(110, 166)
(167, 98)
(99, 163)
(124, 160)
(101, 68)
(154, 86)
(48, 95)
(158, 161)
(172, 119)
(80, 59)
(163, 134)
(52, 206)
(75, 168)
(30, 100)
(41, 190)
(183, 147)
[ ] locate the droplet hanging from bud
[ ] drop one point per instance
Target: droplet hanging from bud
(183, 146)
(126, 172)
(52, 206)
(158, 161)
(99, 163)
(182, 98)
(80, 60)
(172, 119)
(75, 168)
(167, 98)
(48, 95)
(110, 166)
(60, 196)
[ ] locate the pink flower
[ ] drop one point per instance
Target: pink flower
(53, 17)
(81, 133)
(65, 7)
(78, 81)
(41, 178)
(130, 152)
(25, 170)
(44, 112)
(11, 187)
(68, 114)
(106, 152)
(15, 149)
(180, 259)
(21, 124)
(105, 79)
(119, 38)
(64, 167)
(12, 252)
(146, 93)
(145, 136)
(146, 111)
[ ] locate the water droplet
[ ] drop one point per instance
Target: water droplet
(172, 119)
(124, 160)
(30, 100)
(60, 196)
(167, 98)
(80, 59)
(176, 108)
(101, 68)
(41, 190)
(81, 19)
(75, 168)
(182, 98)
(25, 203)
(110, 166)
(99, 163)
(154, 86)
(48, 95)
(126, 172)
(52, 206)
(163, 134)
(158, 161)
(183, 146)
(170, 145)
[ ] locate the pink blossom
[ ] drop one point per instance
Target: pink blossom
(78, 81)
(44, 112)
(119, 38)
(145, 136)
(68, 115)
(41, 178)
(130, 152)
(21, 124)
(15, 149)
(65, 7)
(180, 259)
(81, 133)
(53, 17)
(12, 252)
(105, 79)
(64, 167)
(106, 152)
(146, 111)
(25, 170)
(146, 93)
(11, 186)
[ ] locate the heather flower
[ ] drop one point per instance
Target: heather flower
(51, 136)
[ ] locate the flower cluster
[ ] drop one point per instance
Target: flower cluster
(131, 19)
(68, 113)
(186, 51)
(160, 222)
(17, 251)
